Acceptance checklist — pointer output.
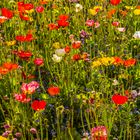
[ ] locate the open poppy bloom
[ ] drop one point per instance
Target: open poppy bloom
(99, 133)
(39, 9)
(27, 38)
(29, 88)
(63, 20)
(25, 55)
(53, 90)
(38, 61)
(21, 98)
(89, 23)
(3, 70)
(119, 99)
(76, 57)
(10, 66)
(7, 13)
(129, 62)
(38, 105)
(115, 2)
(53, 26)
(67, 49)
(76, 44)
(118, 61)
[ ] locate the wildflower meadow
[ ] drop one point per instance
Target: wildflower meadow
(70, 70)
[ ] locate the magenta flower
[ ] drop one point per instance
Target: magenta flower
(38, 61)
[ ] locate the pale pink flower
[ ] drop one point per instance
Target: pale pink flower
(121, 29)
(97, 24)
(22, 98)
(29, 88)
(90, 23)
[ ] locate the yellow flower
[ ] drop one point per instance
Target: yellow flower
(96, 63)
(95, 10)
(29, 11)
(56, 45)
(2, 138)
(137, 11)
(92, 12)
(106, 60)
(10, 43)
(129, 7)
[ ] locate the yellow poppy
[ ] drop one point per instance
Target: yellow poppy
(2, 138)
(137, 11)
(10, 43)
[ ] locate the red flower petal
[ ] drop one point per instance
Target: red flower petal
(119, 99)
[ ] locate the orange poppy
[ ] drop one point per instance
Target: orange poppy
(3, 70)
(111, 13)
(123, 13)
(10, 66)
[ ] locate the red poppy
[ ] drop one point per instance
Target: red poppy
(129, 62)
(63, 23)
(7, 13)
(38, 61)
(39, 9)
(115, 2)
(119, 99)
(76, 45)
(118, 60)
(24, 54)
(67, 49)
(53, 26)
(63, 17)
(53, 90)
(63, 20)
(115, 23)
(27, 38)
(20, 38)
(28, 6)
(24, 17)
(76, 57)
(38, 105)
(22, 7)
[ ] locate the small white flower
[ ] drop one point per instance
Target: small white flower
(60, 52)
(121, 29)
(3, 17)
(137, 35)
(56, 58)
(115, 82)
(78, 7)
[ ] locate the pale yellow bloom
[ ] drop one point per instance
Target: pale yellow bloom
(56, 45)
(129, 7)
